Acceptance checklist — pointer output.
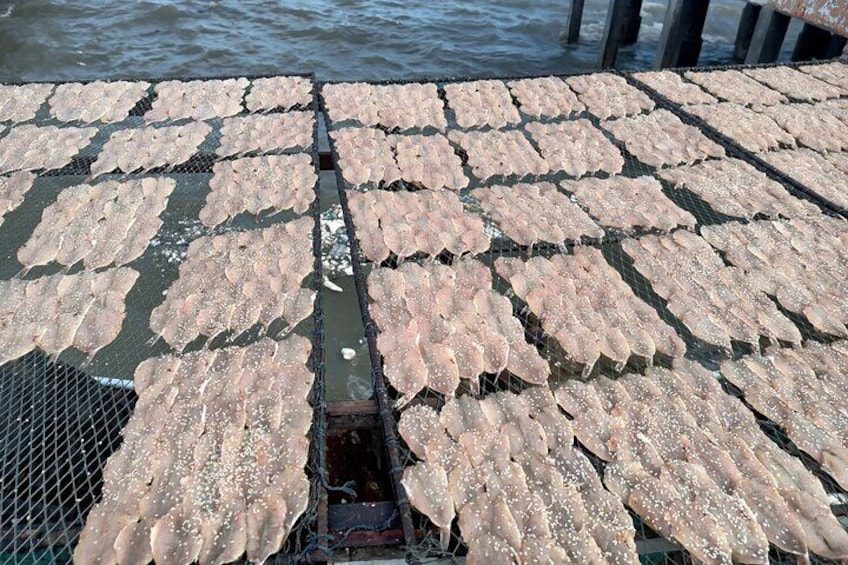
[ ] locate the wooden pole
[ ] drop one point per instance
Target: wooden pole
(680, 42)
(812, 43)
(747, 23)
(768, 36)
(613, 32)
(836, 47)
(575, 18)
(632, 23)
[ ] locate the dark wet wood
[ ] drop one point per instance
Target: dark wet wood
(575, 19)
(680, 42)
(747, 23)
(768, 36)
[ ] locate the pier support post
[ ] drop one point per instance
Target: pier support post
(632, 23)
(575, 18)
(747, 23)
(768, 36)
(616, 15)
(813, 43)
(680, 42)
(836, 47)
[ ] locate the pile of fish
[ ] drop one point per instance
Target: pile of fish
(266, 133)
(548, 97)
(734, 86)
(716, 302)
(406, 223)
(56, 312)
(626, 203)
(609, 96)
(804, 263)
(278, 93)
(197, 99)
(499, 153)
(660, 138)
(531, 213)
(13, 188)
(804, 391)
(695, 466)
(576, 147)
(672, 86)
(814, 170)
(31, 147)
(105, 102)
(212, 461)
(233, 281)
(392, 106)
(19, 103)
(482, 103)
(821, 131)
(365, 156)
(150, 147)
(428, 161)
(735, 188)
(588, 308)
(255, 184)
(795, 84)
(442, 324)
(507, 466)
(833, 73)
(110, 223)
(753, 131)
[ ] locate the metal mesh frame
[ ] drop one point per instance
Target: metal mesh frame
(59, 424)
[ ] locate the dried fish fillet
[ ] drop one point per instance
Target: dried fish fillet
(834, 73)
(734, 86)
(626, 203)
(672, 86)
(217, 474)
(96, 101)
(428, 161)
(660, 138)
(735, 188)
(405, 223)
(754, 132)
(19, 103)
(84, 311)
(440, 324)
(392, 106)
(30, 147)
(812, 170)
(13, 188)
(282, 93)
(576, 147)
(609, 96)
(795, 84)
(693, 463)
(365, 156)
(499, 153)
(717, 303)
(266, 133)
(109, 223)
(588, 308)
(532, 213)
(150, 147)
(482, 103)
(817, 130)
(258, 274)
(256, 184)
(506, 466)
(197, 99)
(547, 97)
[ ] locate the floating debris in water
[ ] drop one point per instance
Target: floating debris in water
(348, 353)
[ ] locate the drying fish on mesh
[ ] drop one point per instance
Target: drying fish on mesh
(693, 463)
(392, 106)
(608, 96)
(365, 156)
(499, 153)
(406, 223)
(30, 147)
(672, 86)
(548, 97)
(110, 223)
(802, 262)
(282, 93)
(442, 324)
(835, 73)
(753, 131)
(821, 131)
(428, 161)
(717, 303)
(266, 133)
(735, 188)
(533, 213)
(96, 101)
(197, 99)
(576, 147)
(212, 461)
(733, 86)
(19, 103)
(795, 84)
(814, 171)
(840, 161)
(257, 276)
(836, 108)
(507, 468)
(256, 184)
(660, 138)
(53, 313)
(150, 147)
(482, 103)
(626, 203)
(13, 188)
(808, 404)
(588, 308)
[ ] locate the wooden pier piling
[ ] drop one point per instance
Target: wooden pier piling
(575, 18)
(680, 43)
(747, 23)
(768, 36)
(813, 43)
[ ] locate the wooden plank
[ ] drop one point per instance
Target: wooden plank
(325, 161)
(747, 23)
(768, 36)
(813, 43)
(368, 539)
(575, 19)
(338, 408)
(363, 515)
(343, 416)
(613, 32)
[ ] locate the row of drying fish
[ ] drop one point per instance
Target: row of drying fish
(13, 188)
(826, 175)
(212, 461)
(265, 133)
(576, 147)
(29, 147)
(692, 463)
(506, 465)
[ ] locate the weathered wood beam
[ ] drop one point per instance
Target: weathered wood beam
(680, 42)
(812, 43)
(768, 36)
(575, 19)
(747, 23)
(613, 32)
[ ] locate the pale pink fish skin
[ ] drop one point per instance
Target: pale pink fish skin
(609, 96)
(393, 106)
(482, 103)
(671, 85)
(278, 92)
(546, 96)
